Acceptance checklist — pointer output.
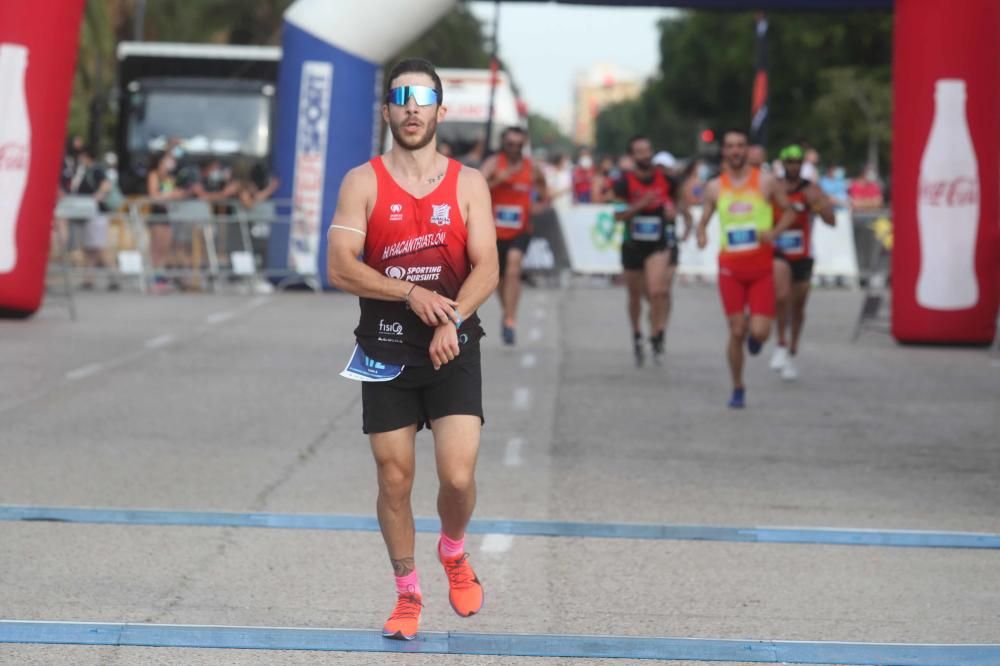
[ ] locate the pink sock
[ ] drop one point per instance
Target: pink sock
(452, 547)
(408, 584)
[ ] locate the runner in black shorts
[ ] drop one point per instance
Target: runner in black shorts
(424, 228)
(649, 248)
(517, 188)
(793, 262)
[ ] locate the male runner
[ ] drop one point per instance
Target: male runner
(517, 187)
(649, 248)
(423, 224)
(743, 196)
(793, 263)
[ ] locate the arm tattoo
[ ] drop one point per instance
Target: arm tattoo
(403, 566)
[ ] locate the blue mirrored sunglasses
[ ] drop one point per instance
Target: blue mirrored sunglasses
(422, 95)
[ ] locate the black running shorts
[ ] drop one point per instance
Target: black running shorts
(635, 253)
(519, 242)
(802, 268)
(421, 394)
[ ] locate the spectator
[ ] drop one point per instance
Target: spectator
(258, 187)
(667, 163)
(214, 183)
(602, 190)
(91, 234)
(161, 188)
(810, 165)
(625, 163)
(834, 185)
(559, 179)
(583, 177)
(476, 155)
(865, 192)
(692, 181)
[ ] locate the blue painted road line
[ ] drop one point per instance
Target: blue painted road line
(513, 645)
(800, 535)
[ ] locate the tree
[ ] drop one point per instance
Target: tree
(829, 83)
(545, 134)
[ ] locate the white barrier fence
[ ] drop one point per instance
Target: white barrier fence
(593, 240)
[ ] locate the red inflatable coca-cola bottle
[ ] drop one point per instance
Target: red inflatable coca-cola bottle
(946, 171)
(37, 59)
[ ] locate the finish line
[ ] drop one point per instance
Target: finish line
(800, 535)
(513, 645)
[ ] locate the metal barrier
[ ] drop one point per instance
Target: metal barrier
(873, 240)
(204, 244)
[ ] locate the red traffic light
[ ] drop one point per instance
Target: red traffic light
(707, 136)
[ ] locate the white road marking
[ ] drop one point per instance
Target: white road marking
(522, 397)
(159, 341)
(497, 543)
(512, 454)
(529, 360)
(84, 371)
(535, 334)
(219, 317)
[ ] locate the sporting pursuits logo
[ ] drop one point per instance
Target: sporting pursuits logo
(440, 214)
(414, 273)
(396, 212)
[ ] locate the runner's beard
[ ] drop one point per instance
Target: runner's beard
(644, 165)
(409, 142)
(736, 163)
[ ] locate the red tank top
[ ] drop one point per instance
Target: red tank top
(512, 200)
(794, 241)
(420, 240)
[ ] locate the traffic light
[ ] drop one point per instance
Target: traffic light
(707, 136)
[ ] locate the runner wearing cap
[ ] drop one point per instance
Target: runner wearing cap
(743, 195)
(793, 262)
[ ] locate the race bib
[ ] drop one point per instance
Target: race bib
(741, 238)
(792, 242)
(363, 368)
(646, 227)
(508, 217)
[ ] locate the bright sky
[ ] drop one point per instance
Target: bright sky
(546, 44)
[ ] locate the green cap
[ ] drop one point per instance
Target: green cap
(792, 152)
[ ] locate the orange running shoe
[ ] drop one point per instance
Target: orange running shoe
(402, 624)
(464, 589)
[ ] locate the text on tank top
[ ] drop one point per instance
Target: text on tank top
(794, 241)
(744, 214)
(421, 240)
(512, 199)
(650, 224)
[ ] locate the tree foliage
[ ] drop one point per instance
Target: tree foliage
(829, 83)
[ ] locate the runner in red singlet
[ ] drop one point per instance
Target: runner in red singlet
(793, 262)
(423, 224)
(517, 187)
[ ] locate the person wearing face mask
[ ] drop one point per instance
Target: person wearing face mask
(583, 177)
(161, 188)
(834, 186)
(649, 249)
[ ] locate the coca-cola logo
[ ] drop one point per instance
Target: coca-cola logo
(13, 156)
(960, 191)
